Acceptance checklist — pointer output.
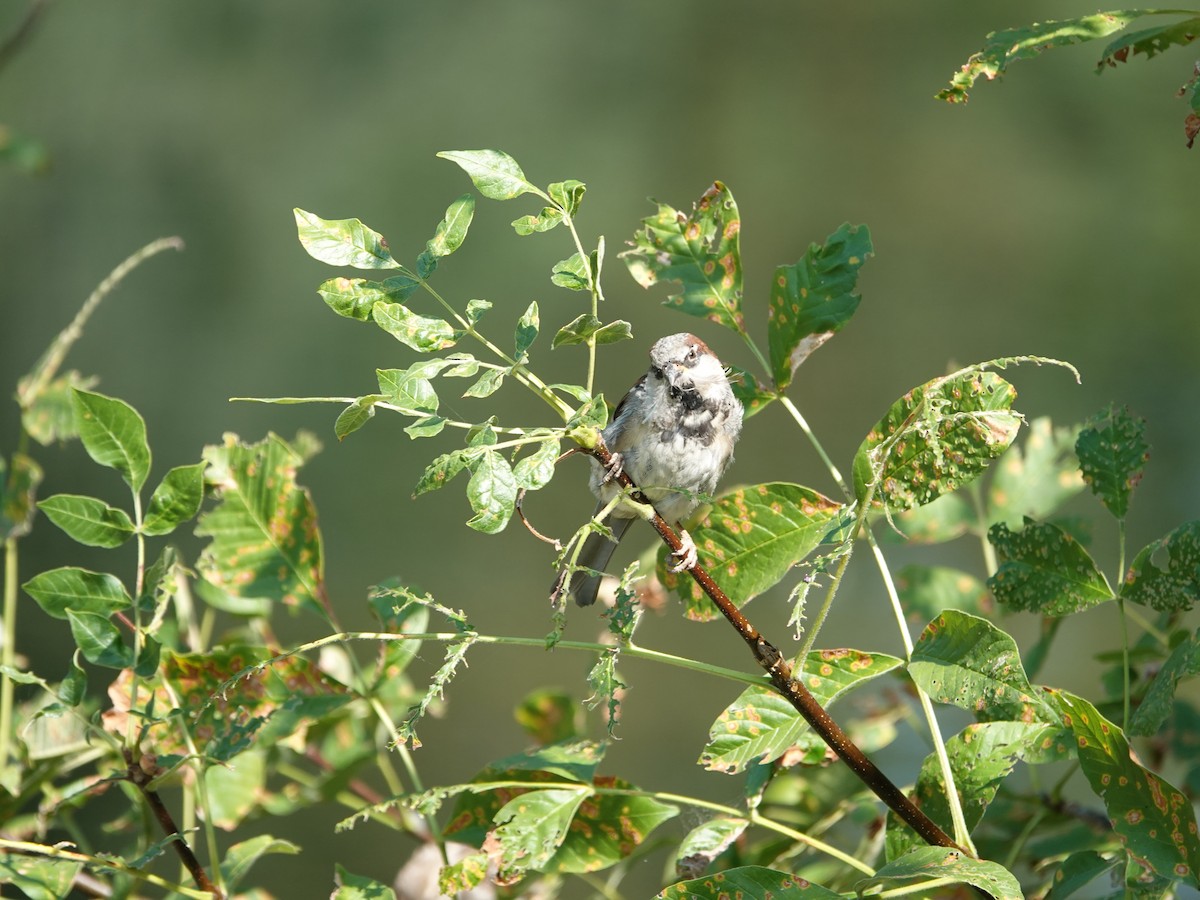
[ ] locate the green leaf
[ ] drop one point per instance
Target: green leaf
(548, 218)
(264, 536)
(359, 887)
(936, 438)
(489, 382)
(65, 588)
(494, 173)
(760, 726)
(240, 857)
(343, 242)
(968, 661)
(981, 757)
(1036, 477)
(572, 273)
(568, 194)
(944, 519)
(534, 471)
(476, 309)
(531, 827)
(1078, 870)
(1044, 569)
(527, 331)
(1159, 701)
(492, 492)
(938, 862)
(1165, 575)
(49, 417)
(355, 416)
(814, 299)
(442, 470)
(1004, 47)
(749, 540)
(113, 434)
(17, 495)
(39, 877)
(72, 690)
(747, 881)
(146, 663)
(428, 426)
(548, 716)
(354, 298)
(402, 618)
(1155, 822)
(234, 790)
(421, 333)
(88, 520)
(586, 326)
(705, 843)
(176, 499)
(410, 389)
(1112, 453)
(926, 591)
(1149, 41)
(452, 230)
(753, 396)
(609, 827)
(700, 251)
(99, 640)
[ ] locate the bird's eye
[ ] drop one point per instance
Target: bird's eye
(692, 353)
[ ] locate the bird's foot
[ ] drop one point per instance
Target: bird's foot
(614, 468)
(687, 555)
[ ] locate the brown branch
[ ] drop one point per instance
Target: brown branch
(780, 672)
(138, 775)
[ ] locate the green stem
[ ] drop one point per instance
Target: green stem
(8, 654)
(108, 863)
(990, 563)
(1124, 622)
(816, 444)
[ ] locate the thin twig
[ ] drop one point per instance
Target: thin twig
(21, 33)
(780, 673)
(139, 777)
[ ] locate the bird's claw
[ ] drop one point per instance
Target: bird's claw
(688, 557)
(614, 468)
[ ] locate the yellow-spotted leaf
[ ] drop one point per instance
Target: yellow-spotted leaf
(749, 540)
(264, 540)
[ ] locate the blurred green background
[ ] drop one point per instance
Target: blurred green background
(1056, 214)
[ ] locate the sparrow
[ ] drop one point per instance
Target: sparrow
(673, 434)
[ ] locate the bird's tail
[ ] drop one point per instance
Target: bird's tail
(596, 553)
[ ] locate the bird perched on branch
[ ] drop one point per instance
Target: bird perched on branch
(673, 434)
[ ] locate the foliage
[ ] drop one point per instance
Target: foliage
(1003, 47)
(205, 729)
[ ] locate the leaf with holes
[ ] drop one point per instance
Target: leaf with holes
(343, 242)
(700, 252)
(113, 434)
(1150, 42)
(968, 661)
(1112, 452)
(760, 726)
(981, 757)
(264, 540)
(814, 298)
(706, 842)
(1004, 47)
(936, 438)
(1155, 822)
(749, 540)
(1165, 575)
(1044, 569)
